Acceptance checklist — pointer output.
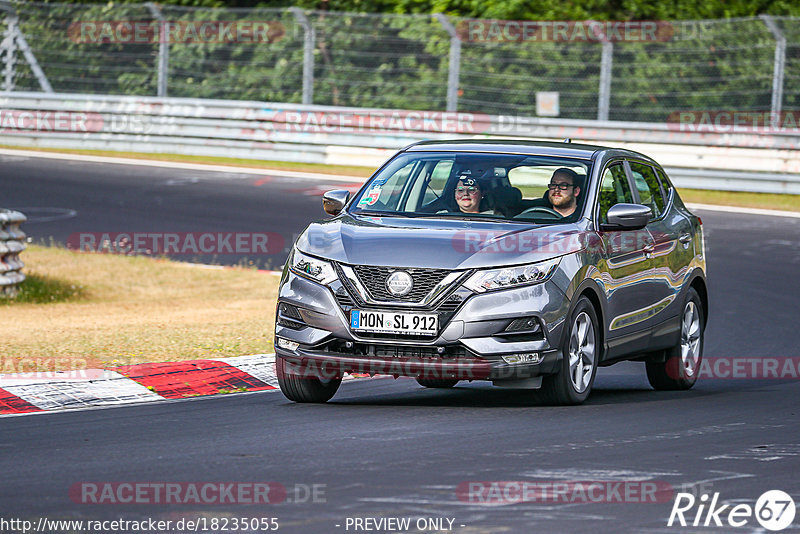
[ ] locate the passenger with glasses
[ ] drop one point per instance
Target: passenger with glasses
(563, 191)
(468, 195)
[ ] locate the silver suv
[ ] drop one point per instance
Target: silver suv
(528, 264)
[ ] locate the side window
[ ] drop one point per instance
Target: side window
(438, 180)
(614, 189)
(388, 193)
(649, 189)
(666, 186)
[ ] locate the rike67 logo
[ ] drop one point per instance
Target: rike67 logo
(774, 510)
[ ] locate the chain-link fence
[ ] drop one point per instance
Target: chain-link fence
(415, 62)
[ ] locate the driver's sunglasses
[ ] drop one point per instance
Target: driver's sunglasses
(462, 190)
(562, 186)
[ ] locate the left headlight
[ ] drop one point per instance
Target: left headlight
(532, 273)
(311, 267)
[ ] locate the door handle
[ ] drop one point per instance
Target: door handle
(685, 238)
(649, 248)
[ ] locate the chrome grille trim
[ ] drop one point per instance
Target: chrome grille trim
(438, 290)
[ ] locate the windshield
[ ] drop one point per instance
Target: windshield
(539, 189)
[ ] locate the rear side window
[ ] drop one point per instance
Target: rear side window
(648, 187)
(614, 189)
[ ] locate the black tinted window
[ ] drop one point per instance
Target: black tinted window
(648, 187)
(614, 189)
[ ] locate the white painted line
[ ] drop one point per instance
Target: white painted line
(749, 211)
(53, 395)
(182, 165)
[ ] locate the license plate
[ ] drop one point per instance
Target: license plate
(393, 322)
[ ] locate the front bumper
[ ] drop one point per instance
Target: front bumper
(470, 344)
(331, 365)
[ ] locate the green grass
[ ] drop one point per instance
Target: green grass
(771, 201)
(41, 289)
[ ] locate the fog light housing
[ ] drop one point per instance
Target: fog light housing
(524, 324)
(289, 316)
(288, 345)
(523, 357)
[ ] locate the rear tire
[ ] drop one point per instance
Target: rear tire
(681, 365)
(300, 387)
(580, 354)
(437, 383)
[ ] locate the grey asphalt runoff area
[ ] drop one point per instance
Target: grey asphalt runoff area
(387, 448)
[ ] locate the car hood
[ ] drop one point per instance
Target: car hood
(437, 242)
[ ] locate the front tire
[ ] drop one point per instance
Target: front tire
(580, 354)
(437, 383)
(679, 369)
(301, 387)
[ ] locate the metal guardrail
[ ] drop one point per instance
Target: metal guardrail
(728, 160)
(12, 242)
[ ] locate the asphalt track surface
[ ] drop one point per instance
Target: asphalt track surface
(388, 448)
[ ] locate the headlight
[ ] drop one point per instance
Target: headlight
(533, 273)
(310, 267)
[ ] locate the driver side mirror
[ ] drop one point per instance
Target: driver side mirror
(627, 217)
(333, 202)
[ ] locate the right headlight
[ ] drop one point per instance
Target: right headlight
(506, 277)
(310, 267)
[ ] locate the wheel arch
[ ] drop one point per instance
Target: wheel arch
(591, 291)
(698, 283)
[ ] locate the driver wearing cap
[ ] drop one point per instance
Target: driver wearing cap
(468, 194)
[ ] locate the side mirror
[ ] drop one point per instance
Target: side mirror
(333, 202)
(627, 217)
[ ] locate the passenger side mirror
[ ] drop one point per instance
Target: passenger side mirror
(333, 202)
(627, 217)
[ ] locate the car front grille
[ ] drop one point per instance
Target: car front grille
(374, 280)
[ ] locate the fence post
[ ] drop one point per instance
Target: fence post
(604, 91)
(309, 42)
(163, 49)
(777, 70)
(12, 242)
(454, 65)
(9, 46)
(15, 39)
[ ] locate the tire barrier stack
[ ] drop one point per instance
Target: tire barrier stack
(12, 242)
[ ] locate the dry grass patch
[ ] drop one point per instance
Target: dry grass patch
(769, 201)
(128, 310)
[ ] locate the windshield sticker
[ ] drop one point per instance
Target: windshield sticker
(371, 197)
